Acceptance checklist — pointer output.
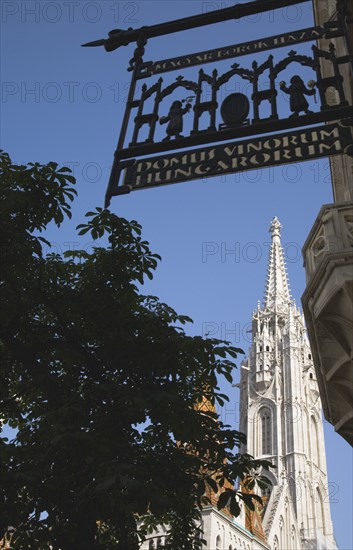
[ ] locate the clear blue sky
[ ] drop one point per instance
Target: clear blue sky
(65, 103)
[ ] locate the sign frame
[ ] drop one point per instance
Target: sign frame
(228, 158)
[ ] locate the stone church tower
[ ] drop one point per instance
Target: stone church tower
(280, 411)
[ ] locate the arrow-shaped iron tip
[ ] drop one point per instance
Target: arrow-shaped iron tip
(94, 43)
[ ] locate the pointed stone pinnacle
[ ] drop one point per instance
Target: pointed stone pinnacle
(277, 288)
(275, 228)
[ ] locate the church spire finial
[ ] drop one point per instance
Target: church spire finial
(275, 228)
(277, 288)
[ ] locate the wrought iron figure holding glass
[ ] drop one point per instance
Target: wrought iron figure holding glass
(297, 91)
(175, 119)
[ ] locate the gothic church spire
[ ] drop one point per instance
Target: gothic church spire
(277, 288)
(280, 413)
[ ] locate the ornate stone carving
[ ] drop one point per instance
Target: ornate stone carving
(328, 305)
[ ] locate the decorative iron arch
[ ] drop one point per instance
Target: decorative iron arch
(147, 92)
(180, 83)
(246, 74)
(293, 57)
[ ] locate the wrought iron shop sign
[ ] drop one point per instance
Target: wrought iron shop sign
(167, 122)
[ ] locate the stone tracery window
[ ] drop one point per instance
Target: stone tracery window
(315, 448)
(320, 512)
(266, 430)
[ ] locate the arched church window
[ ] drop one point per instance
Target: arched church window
(311, 376)
(315, 455)
(267, 348)
(266, 431)
(275, 543)
(309, 355)
(218, 543)
(320, 514)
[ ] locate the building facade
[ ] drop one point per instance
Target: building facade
(328, 256)
(221, 532)
(280, 411)
(220, 529)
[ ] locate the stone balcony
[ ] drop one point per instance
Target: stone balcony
(262, 379)
(328, 309)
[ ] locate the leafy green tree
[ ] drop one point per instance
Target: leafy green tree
(100, 383)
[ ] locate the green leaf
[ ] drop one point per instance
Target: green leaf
(223, 500)
(83, 231)
(71, 179)
(228, 377)
(234, 507)
(212, 483)
(262, 484)
(65, 169)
